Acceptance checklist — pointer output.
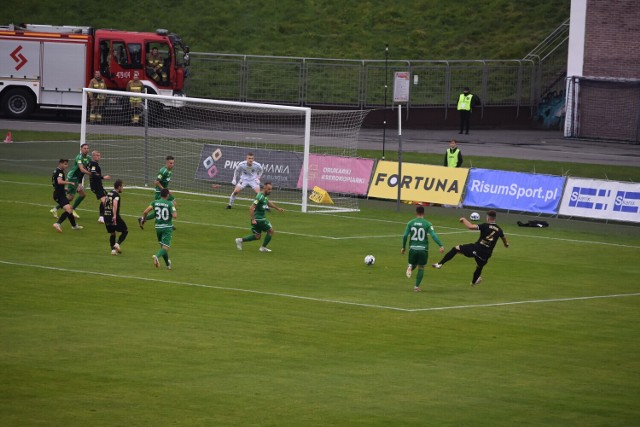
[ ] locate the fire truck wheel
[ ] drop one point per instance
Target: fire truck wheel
(18, 103)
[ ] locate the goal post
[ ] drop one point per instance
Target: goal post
(208, 138)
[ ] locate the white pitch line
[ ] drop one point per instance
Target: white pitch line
(322, 300)
(200, 285)
(539, 301)
(618, 245)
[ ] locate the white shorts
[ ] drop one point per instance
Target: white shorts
(252, 183)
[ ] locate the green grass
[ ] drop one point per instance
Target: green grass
(307, 334)
(417, 29)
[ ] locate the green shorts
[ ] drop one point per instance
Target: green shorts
(418, 257)
(164, 236)
(72, 189)
(260, 226)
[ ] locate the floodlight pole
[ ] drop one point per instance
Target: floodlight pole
(386, 85)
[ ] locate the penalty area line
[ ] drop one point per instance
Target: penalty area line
(322, 300)
(538, 301)
(201, 285)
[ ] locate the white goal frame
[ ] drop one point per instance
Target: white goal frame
(177, 102)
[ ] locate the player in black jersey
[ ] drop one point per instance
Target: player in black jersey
(95, 181)
(112, 219)
(58, 180)
(481, 250)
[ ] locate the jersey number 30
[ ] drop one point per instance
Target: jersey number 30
(162, 213)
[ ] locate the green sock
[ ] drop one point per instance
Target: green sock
(267, 239)
(419, 276)
(161, 253)
(249, 238)
(150, 215)
(78, 201)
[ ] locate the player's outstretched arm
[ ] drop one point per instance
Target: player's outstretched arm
(276, 207)
(505, 242)
(467, 224)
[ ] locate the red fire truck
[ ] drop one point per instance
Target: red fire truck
(47, 66)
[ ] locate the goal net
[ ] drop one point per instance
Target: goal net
(208, 138)
(603, 108)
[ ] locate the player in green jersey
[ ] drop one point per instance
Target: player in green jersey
(416, 232)
(165, 213)
(76, 174)
(259, 222)
(164, 177)
(162, 181)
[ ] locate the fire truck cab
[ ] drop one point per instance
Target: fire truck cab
(45, 66)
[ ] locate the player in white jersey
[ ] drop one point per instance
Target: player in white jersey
(248, 172)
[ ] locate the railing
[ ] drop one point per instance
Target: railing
(360, 84)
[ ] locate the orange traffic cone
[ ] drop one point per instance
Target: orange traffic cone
(8, 138)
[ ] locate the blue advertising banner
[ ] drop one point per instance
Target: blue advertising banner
(514, 191)
(218, 162)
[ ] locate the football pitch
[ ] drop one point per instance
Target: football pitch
(307, 335)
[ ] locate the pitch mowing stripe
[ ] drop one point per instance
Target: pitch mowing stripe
(322, 300)
(237, 227)
(445, 233)
(200, 285)
(338, 216)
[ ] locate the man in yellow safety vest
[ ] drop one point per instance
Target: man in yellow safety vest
(466, 100)
(453, 156)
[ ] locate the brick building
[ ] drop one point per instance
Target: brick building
(603, 87)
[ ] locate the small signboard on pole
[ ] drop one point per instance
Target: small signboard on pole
(401, 86)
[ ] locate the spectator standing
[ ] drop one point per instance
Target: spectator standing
(466, 101)
(96, 100)
(135, 85)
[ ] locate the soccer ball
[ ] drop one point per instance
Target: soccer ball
(475, 216)
(369, 260)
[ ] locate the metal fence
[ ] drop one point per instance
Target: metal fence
(363, 84)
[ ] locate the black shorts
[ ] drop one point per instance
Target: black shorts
(99, 192)
(60, 197)
(473, 250)
(119, 227)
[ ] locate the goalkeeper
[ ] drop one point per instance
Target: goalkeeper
(249, 173)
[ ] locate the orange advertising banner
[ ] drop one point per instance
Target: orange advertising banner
(419, 183)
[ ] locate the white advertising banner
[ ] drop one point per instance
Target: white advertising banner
(401, 86)
(592, 198)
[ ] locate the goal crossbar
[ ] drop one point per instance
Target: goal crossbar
(187, 127)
